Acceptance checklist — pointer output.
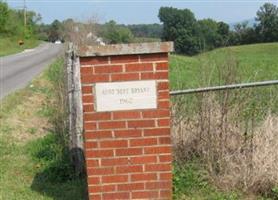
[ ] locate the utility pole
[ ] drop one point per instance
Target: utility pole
(25, 13)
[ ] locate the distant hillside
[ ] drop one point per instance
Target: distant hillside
(250, 23)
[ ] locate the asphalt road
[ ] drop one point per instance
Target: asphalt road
(17, 70)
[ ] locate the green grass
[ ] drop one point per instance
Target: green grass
(34, 165)
(247, 63)
(190, 183)
(10, 45)
(257, 62)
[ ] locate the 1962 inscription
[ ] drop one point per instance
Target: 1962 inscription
(128, 95)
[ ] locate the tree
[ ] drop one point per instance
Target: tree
(55, 31)
(223, 30)
(146, 30)
(244, 34)
(207, 32)
(4, 16)
(114, 33)
(179, 26)
(267, 16)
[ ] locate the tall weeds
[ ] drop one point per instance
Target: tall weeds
(234, 134)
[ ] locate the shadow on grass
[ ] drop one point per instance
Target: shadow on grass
(54, 174)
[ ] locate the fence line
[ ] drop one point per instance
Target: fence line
(224, 87)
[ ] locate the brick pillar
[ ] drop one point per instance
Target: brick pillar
(125, 92)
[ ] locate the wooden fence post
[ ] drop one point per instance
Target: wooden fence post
(75, 111)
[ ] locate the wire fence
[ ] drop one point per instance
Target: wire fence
(224, 87)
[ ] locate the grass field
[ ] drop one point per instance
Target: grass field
(10, 46)
(256, 62)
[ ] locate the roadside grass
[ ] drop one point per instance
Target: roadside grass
(9, 45)
(33, 164)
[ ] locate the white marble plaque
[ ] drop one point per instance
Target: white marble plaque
(129, 95)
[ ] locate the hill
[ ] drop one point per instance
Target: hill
(256, 62)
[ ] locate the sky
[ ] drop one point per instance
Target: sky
(140, 11)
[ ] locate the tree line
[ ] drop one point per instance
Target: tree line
(192, 36)
(12, 22)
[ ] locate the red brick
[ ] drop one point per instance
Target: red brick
(159, 185)
(98, 135)
(158, 167)
(126, 115)
(157, 150)
(95, 196)
(93, 180)
(139, 67)
(112, 125)
(102, 188)
(141, 123)
(154, 57)
(145, 195)
(93, 60)
(131, 187)
(129, 151)
(144, 177)
(108, 69)
(163, 86)
(90, 145)
(129, 169)
(88, 99)
(163, 95)
(115, 178)
(114, 161)
(99, 153)
(143, 142)
(156, 113)
(88, 108)
(86, 70)
(97, 116)
(163, 104)
(90, 126)
(99, 171)
(165, 176)
(117, 195)
(125, 77)
(143, 159)
(157, 132)
(92, 163)
(162, 66)
(124, 59)
(164, 122)
(165, 140)
(94, 78)
(167, 194)
(128, 133)
(154, 75)
(165, 158)
(87, 89)
(113, 144)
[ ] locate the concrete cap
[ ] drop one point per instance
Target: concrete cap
(125, 49)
